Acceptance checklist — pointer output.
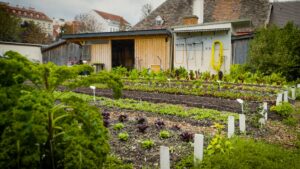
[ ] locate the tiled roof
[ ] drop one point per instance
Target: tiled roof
(172, 12)
(27, 13)
(111, 17)
(282, 12)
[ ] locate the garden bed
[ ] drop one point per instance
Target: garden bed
(189, 100)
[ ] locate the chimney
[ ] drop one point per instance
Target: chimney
(190, 20)
(198, 10)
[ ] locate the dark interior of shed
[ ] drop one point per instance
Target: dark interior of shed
(123, 53)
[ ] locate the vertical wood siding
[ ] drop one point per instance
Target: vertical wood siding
(101, 53)
(147, 51)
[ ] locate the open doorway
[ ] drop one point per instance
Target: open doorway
(123, 53)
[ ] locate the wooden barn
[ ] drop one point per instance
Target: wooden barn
(130, 49)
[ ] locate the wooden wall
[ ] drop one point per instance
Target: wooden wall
(148, 50)
(101, 53)
(63, 54)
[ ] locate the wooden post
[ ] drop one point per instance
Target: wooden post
(198, 147)
(279, 99)
(242, 123)
(286, 94)
(230, 126)
(164, 157)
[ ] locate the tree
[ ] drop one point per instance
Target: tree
(87, 23)
(276, 50)
(40, 130)
(146, 10)
(32, 33)
(10, 26)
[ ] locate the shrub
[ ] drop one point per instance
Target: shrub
(123, 136)
(120, 71)
(284, 109)
(134, 74)
(276, 50)
(119, 126)
(147, 144)
(164, 134)
(290, 121)
(219, 144)
(113, 162)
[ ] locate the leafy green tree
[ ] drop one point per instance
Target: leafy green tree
(276, 50)
(40, 131)
(10, 26)
(33, 33)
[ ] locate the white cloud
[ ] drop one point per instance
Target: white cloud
(67, 9)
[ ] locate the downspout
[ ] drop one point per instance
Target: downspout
(171, 48)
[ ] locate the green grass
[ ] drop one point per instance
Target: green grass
(248, 154)
(159, 108)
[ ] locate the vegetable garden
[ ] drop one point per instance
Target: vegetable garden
(50, 118)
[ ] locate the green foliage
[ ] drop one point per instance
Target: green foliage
(181, 73)
(219, 144)
(276, 50)
(120, 71)
(10, 26)
(249, 154)
(164, 134)
(118, 126)
(39, 131)
(161, 108)
(134, 74)
(123, 136)
(291, 121)
(284, 109)
(113, 162)
(147, 144)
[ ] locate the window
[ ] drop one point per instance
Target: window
(159, 21)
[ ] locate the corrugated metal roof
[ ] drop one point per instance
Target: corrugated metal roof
(53, 45)
(202, 30)
(282, 12)
(118, 34)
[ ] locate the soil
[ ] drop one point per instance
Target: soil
(132, 152)
(188, 100)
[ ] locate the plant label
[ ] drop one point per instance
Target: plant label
(285, 95)
(230, 126)
(164, 157)
(293, 90)
(265, 106)
(198, 147)
(298, 85)
(279, 99)
(242, 122)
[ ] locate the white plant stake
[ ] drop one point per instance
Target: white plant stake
(94, 92)
(279, 99)
(293, 90)
(298, 85)
(242, 122)
(169, 80)
(198, 147)
(286, 93)
(265, 108)
(242, 104)
(164, 157)
(230, 126)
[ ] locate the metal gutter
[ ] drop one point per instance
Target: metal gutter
(118, 34)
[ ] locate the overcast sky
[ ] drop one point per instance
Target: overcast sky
(67, 9)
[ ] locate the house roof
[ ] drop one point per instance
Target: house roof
(111, 17)
(23, 12)
(172, 12)
(21, 44)
(282, 12)
(118, 34)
